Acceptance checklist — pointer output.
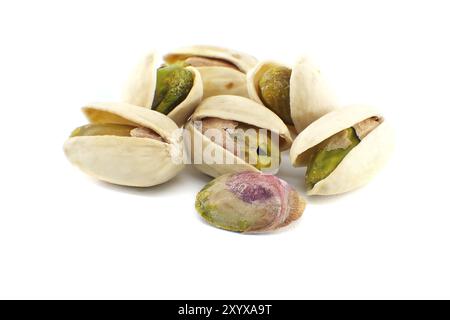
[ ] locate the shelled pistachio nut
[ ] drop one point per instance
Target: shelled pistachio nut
(223, 70)
(298, 95)
(174, 90)
(233, 134)
(126, 145)
(249, 202)
(343, 150)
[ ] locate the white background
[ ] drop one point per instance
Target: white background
(65, 235)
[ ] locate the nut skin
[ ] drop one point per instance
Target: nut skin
(249, 202)
(274, 88)
(173, 85)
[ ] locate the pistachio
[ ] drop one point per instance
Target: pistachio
(174, 90)
(173, 85)
(126, 145)
(342, 150)
(333, 151)
(246, 136)
(274, 90)
(249, 202)
(298, 94)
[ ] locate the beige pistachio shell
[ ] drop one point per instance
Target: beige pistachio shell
(222, 80)
(310, 95)
(219, 80)
(232, 108)
(129, 161)
(360, 164)
(141, 86)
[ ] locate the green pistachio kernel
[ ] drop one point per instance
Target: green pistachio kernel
(173, 85)
(103, 130)
(274, 87)
(328, 157)
(262, 153)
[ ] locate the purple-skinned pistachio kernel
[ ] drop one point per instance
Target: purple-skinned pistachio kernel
(249, 202)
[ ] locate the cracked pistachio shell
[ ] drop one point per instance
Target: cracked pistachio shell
(141, 88)
(249, 202)
(239, 109)
(123, 160)
(218, 80)
(310, 96)
(360, 165)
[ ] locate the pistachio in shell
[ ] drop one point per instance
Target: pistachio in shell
(343, 150)
(126, 145)
(235, 118)
(173, 89)
(249, 202)
(298, 94)
(173, 84)
(274, 87)
(332, 152)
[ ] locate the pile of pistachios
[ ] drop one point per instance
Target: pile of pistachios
(197, 105)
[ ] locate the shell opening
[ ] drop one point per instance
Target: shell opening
(200, 61)
(113, 129)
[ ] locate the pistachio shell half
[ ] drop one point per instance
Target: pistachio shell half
(249, 202)
(126, 145)
(223, 71)
(343, 150)
(299, 95)
(174, 90)
(228, 114)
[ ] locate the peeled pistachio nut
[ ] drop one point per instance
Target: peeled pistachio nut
(234, 134)
(174, 90)
(249, 202)
(223, 71)
(342, 150)
(126, 145)
(274, 91)
(173, 84)
(299, 95)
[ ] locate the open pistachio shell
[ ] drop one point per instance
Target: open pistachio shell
(127, 160)
(238, 109)
(360, 164)
(310, 97)
(141, 87)
(218, 79)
